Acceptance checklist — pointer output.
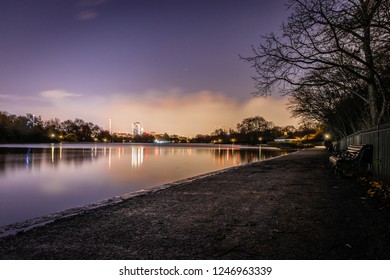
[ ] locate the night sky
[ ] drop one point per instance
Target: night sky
(172, 65)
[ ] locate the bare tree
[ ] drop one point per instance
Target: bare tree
(254, 124)
(340, 112)
(325, 43)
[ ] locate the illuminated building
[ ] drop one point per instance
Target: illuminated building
(136, 128)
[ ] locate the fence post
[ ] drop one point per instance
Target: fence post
(377, 150)
(378, 136)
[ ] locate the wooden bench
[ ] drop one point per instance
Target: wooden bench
(354, 160)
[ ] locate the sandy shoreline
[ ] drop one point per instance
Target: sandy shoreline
(292, 207)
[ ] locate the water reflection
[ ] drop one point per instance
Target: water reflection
(28, 159)
(38, 180)
(137, 156)
(11, 158)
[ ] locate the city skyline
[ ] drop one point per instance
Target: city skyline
(172, 65)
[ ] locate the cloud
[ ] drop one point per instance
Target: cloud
(19, 104)
(15, 98)
(87, 15)
(88, 9)
(172, 111)
(189, 114)
(6, 98)
(58, 94)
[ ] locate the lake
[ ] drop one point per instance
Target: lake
(40, 179)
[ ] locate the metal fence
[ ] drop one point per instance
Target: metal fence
(379, 138)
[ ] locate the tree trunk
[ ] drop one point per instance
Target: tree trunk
(372, 105)
(370, 66)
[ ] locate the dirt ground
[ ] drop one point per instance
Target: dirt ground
(292, 207)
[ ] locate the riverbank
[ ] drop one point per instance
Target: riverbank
(291, 207)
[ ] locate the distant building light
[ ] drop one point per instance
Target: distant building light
(136, 128)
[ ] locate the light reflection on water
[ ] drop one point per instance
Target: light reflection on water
(37, 180)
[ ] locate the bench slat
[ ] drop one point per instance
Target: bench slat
(352, 158)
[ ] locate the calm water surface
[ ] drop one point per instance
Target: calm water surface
(37, 180)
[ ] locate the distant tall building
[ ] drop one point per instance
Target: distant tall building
(136, 128)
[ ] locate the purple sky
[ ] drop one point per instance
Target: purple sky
(173, 65)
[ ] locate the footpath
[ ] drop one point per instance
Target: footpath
(292, 207)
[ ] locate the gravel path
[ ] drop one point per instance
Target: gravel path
(292, 207)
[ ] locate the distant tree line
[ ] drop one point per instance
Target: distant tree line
(32, 129)
(256, 130)
(332, 59)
